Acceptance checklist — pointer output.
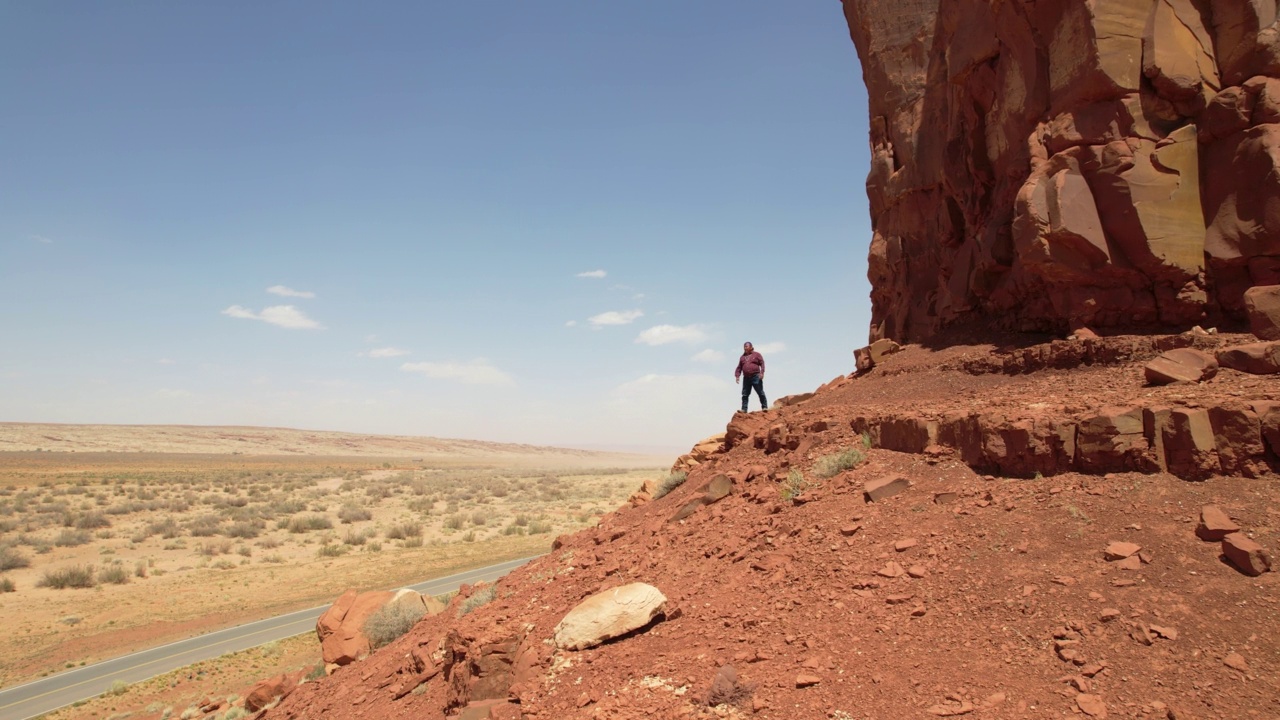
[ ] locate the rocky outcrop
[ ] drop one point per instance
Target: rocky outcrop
(1048, 164)
(341, 628)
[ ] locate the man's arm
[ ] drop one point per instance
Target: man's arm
(761, 364)
(737, 372)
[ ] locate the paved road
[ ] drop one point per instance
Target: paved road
(55, 691)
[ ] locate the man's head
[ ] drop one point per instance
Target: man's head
(746, 348)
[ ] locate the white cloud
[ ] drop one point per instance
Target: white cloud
(770, 348)
(709, 356)
(283, 291)
(592, 274)
(664, 334)
(613, 317)
(384, 352)
(166, 361)
(285, 316)
(42, 239)
(476, 372)
(571, 323)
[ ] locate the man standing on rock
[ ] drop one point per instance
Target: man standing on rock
(751, 365)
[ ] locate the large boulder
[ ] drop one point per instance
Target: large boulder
(1049, 165)
(340, 629)
(1261, 358)
(609, 614)
(271, 690)
(1262, 303)
(1181, 365)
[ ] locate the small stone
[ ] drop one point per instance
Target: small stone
(1167, 633)
(1092, 669)
(917, 571)
(899, 598)
(1133, 562)
(1108, 614)
(885, 487)
(891, 570)
(804, 680)
(1247, 555)
(1236, 661)
(1120, 550)
(944, 498)
(850, 530)
(905, 545)
(1214, 524)
(918, 611)
(1091, 705)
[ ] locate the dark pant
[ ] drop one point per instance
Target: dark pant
(757, 382)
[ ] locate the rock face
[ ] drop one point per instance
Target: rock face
(1048, 164)
(610, 614)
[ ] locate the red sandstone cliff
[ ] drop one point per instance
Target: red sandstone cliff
(1044, 164)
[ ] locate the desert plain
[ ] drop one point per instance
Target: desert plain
(118, 538)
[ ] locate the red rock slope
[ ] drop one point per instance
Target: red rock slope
(951, 592)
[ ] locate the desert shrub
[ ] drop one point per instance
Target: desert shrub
(243, 530)
(204, 525)
(235, 713)
(11, 559)
(7, 586)
(74, 576)
(167, 528)
(413, 542)
(287, 507)
(244, 551)
(331, 550)
(92, 521)
(275, 558)
(669, 483)
(353, 513)
(269, 543)
(118, 687)
(224, 564)
(513, 529)
(391, 621)
(140, 568)
(306, 523)
(478, 598)
(373, 547)
(406, 529)
(455, 522)
(316, 673)
(521, 520)
(213, 548)
(113, 574)
(479, 517)
(794, 485)
(71, 538)
(470, 536)
(836, 463)
(355, 538)
(538, 527)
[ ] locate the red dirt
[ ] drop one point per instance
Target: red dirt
(1003, 607)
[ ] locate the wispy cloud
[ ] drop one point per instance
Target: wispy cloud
(42, 239)
(283, 291)
(592, 274)
(770, 348)
(614, 317)
(166, 361)
(476, 372)
(571, 323)
(709, 356)
(666, 334)
(285, 316)
(385, 352)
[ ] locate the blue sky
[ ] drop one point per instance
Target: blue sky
(550, 222)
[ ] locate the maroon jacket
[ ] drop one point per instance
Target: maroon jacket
(751, 363)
